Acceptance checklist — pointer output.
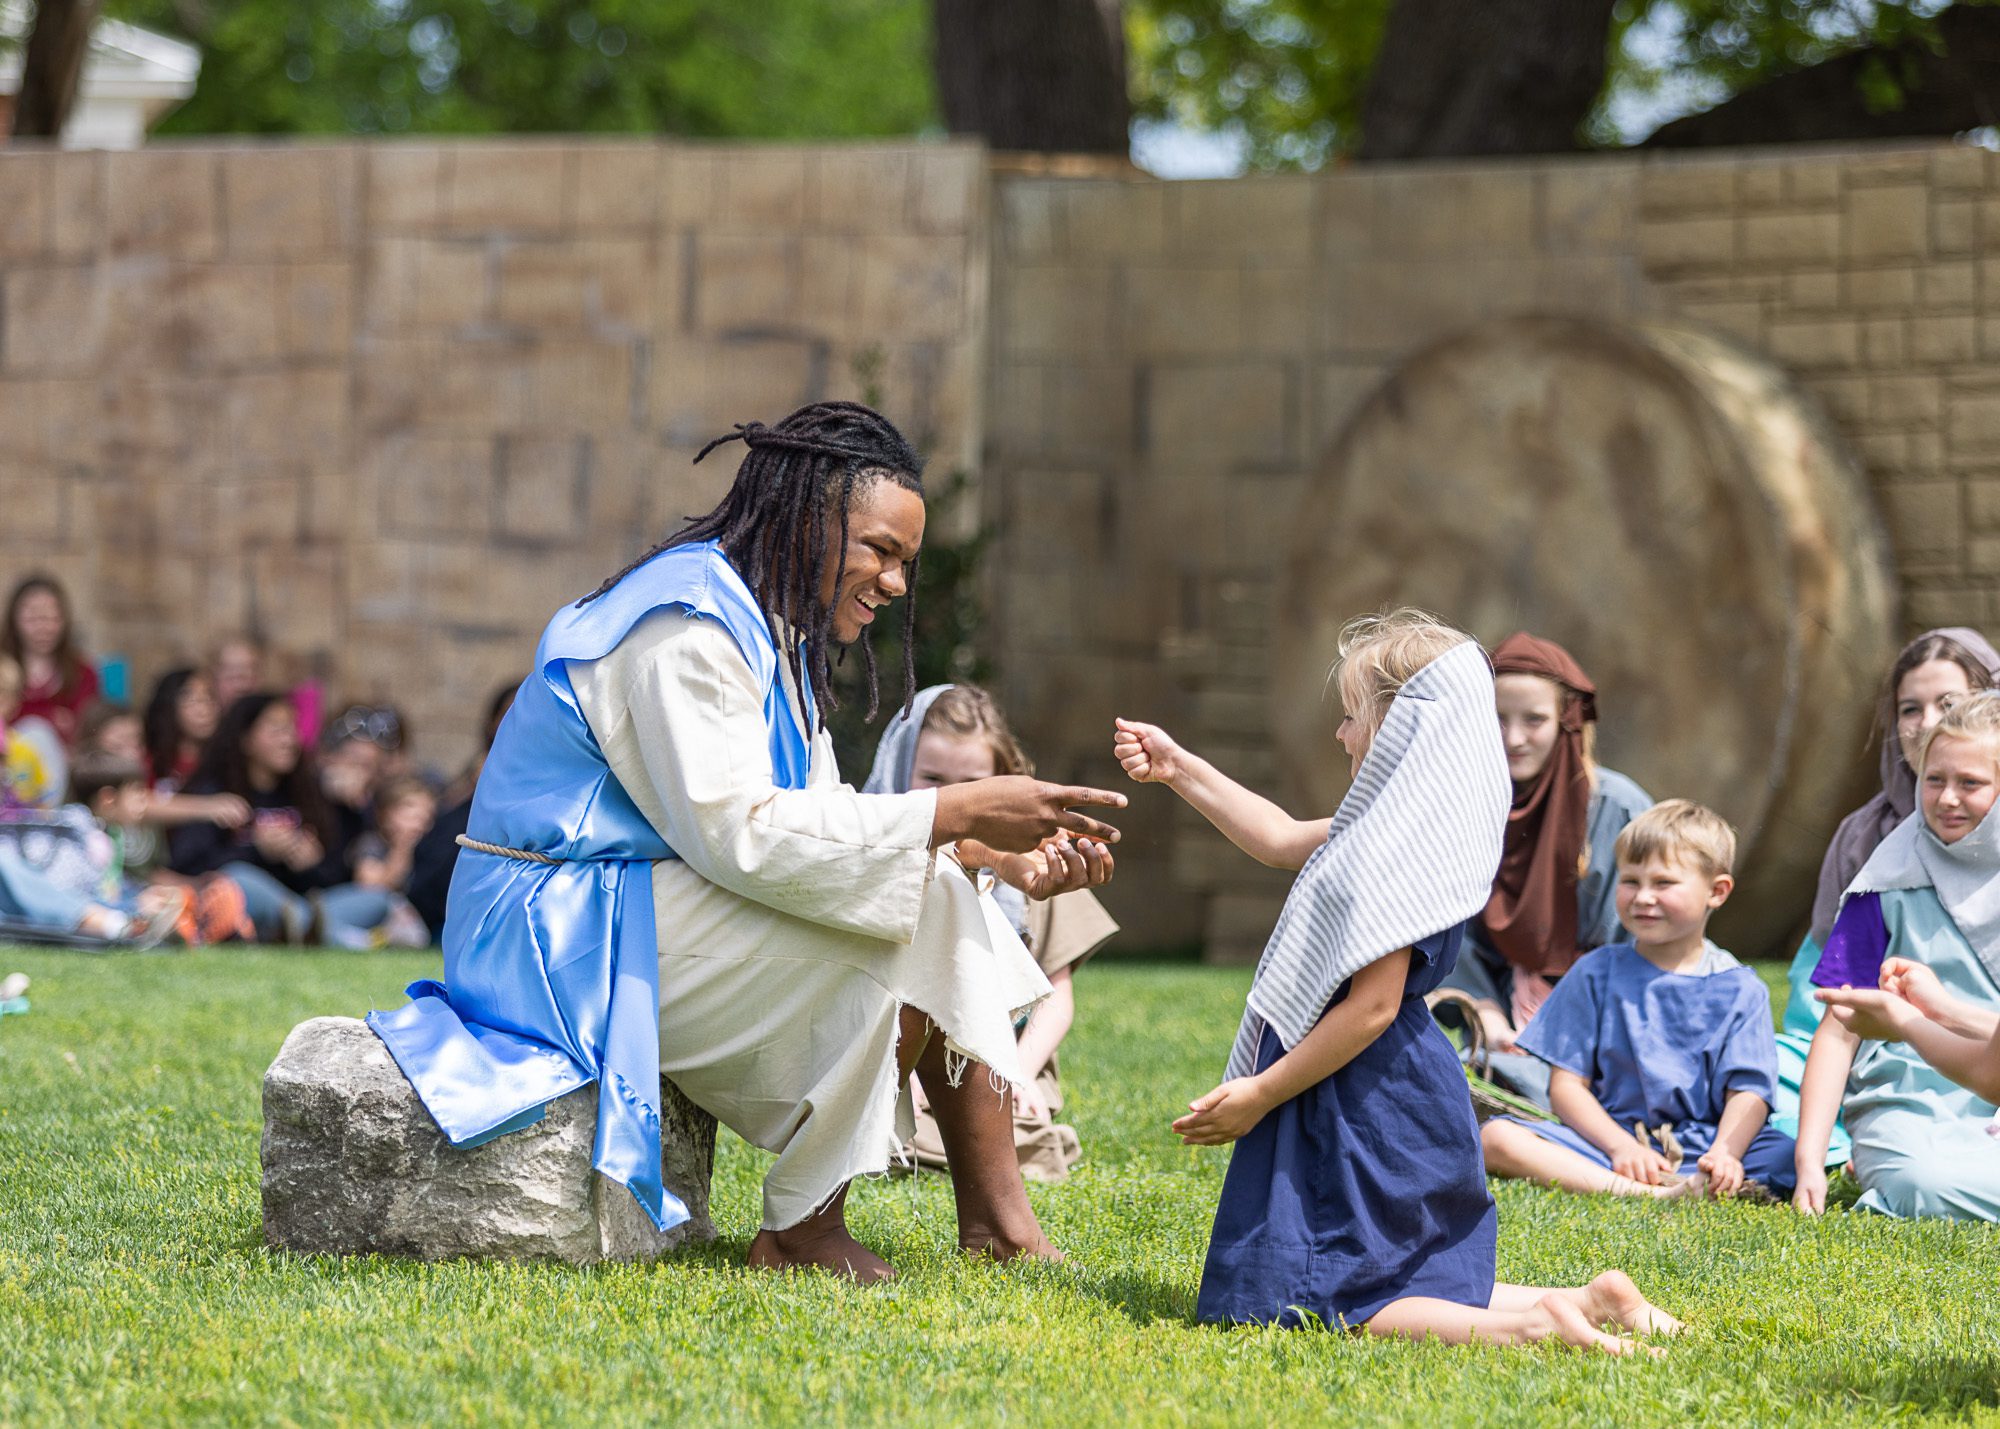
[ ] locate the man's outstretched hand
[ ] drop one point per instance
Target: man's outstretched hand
(1016, 814)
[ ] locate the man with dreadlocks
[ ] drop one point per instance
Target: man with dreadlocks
(664, 872)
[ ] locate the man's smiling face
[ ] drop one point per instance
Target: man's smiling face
(885, 529)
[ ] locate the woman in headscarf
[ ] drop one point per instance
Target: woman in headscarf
(1928, 898)
(1933, 671)
(953, 734)
(1555, 897)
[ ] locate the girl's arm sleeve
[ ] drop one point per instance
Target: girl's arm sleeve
(1856, 946)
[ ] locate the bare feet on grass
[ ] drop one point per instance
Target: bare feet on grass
(819, 1247)
(1559, 1317)
(1612, 1298)
(976, 1240)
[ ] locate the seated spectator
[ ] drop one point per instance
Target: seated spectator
(1554, 898)
(1933, 672)
(436, 855)
(1925, 896)
(123, 806)
(951, 735)
(289, 847)
(25, 781)
(114, 792)
(351, 763)
(34, 907)
(111, 727)
(39, 633)
(235, 668)
(180, 719)
(1663, 1064)
(405, 808)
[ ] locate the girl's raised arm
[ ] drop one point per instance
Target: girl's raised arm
(1253, 823)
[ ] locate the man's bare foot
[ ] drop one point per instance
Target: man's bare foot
(1612, 1298)
(1557, 1316)
(810, 1247)
(977, 1241)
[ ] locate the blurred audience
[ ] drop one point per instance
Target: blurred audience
(25, 780)
(436, 854)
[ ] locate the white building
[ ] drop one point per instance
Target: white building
(131, 79)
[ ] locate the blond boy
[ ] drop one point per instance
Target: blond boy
(1663, 1063)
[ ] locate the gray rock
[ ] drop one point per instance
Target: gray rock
(353, 1163)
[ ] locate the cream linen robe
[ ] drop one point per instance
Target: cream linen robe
(795, 924)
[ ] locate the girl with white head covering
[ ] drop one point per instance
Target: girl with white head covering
(1931, 672)
(1930, 895)
(952, 734)
(1355, 1195)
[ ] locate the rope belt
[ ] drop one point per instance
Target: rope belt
(524, 855)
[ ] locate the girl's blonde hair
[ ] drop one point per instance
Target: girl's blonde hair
(1381, 653)
(1976, 716)
(968, 712)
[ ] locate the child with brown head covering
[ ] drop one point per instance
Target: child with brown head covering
(1554, 897)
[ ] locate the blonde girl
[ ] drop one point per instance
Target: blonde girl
(1355, 1195)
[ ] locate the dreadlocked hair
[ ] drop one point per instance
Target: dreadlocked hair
(796, 478)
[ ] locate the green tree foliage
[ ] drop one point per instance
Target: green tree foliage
(711, 68)
(1290, 75)
(1700, 52)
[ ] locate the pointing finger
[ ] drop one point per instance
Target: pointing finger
(1070, 796)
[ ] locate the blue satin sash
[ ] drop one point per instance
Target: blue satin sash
(552, 971)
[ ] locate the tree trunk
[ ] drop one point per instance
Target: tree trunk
(1041, 75)
(1941, 93)
(53, 66)
(1465, 77)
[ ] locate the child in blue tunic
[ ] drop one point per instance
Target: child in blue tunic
(1355, 1196)
(1662, 1054)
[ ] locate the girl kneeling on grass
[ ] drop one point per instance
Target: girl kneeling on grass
(1357, 1196)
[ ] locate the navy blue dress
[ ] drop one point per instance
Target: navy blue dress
(1363, 1189)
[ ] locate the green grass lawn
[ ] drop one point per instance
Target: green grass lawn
(134, 1283)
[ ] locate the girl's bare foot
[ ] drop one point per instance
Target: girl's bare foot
(1558, 1316)
(819, 1247)
(1612, 1298)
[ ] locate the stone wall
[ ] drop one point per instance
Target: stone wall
(1171, 361)
(392, 404)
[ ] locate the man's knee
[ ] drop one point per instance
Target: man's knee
(913, 1034)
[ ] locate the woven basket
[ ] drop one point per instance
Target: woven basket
(1489, 1099)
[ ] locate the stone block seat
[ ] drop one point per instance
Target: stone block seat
(353, 1164)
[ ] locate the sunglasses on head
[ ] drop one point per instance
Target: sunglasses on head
(377, 726)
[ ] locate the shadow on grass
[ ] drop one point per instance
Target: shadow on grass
(1141, 1299)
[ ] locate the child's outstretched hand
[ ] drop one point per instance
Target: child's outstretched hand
(1147, 752)
(1725, 1172)
(1916, 985)
(1224, 1115)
